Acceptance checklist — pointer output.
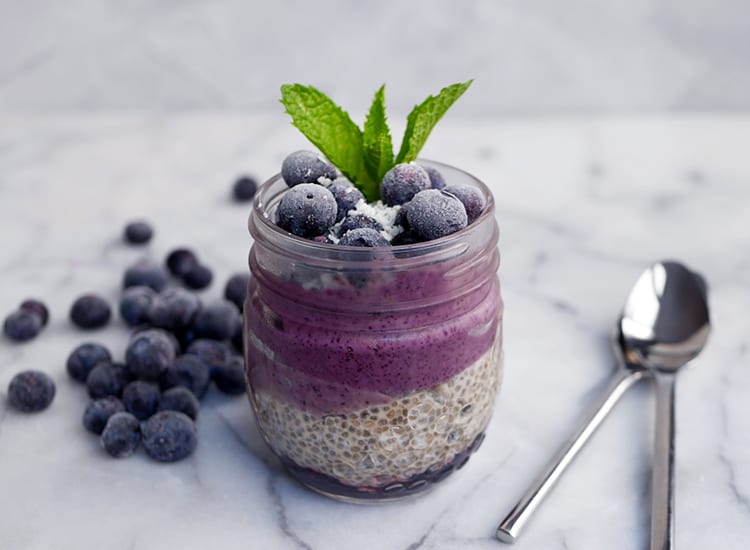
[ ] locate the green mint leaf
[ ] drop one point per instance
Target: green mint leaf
(331, 130)
(376, 139)
(423, 118)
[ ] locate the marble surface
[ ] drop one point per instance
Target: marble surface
(532, 56)
(584, 204)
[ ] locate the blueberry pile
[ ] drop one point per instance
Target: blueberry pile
(322, 206)
(27, 321)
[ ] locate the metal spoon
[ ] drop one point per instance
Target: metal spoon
(665, 324)
(629, 370)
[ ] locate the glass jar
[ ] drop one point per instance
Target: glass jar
(373, 371)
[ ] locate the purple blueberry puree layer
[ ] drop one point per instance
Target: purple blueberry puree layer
(327, 361)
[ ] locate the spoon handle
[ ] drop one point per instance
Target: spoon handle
(662, 484)
(510, 528)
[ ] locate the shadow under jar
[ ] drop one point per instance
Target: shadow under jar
(373, 371)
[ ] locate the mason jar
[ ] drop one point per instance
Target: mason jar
(373, 371)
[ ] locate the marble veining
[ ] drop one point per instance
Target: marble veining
(584, 204)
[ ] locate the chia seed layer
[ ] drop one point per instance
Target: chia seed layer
(378, 446)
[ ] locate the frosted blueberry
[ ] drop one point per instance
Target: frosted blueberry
(216, 321)
(22, 325)
(141, 399)
(402, 182)
(364, 236)
(306, 167)
(307, 210)
(358, 221)
(84, 358)
(174, 309)
(31, 391)
(90, 311)
(145, 273)
(347, 196)
(121, 435)
(135, 304)
(98, 412)
(149, 353)
(180, 399)
(471, 198)
(180, 261)
(169, 436)
(437, 181)
(229, 377)
(189, 371)
(433, 214)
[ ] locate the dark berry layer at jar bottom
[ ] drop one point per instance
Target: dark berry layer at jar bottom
(419, 483)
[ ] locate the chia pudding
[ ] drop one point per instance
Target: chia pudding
(373, 371)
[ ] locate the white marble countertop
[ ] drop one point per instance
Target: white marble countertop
(583, 204)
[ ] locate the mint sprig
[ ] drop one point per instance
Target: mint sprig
(364, 156)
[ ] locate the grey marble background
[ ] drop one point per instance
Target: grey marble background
(529, 56)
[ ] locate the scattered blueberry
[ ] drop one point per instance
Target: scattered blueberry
(306, 167)
(307, 210)
(90, 311)
(145, 273)
(180, 399)
(141, 398)
(149, 353)
(198, 277)
(433, 214)
(180, 261)
(363, 237)
(31, 391)
(188, 371)
(22, 325)
(169, 436)
(211, 352)
(216, 321)
(135, 304)
(107, 379)
(471, 198)
(244, 188)
(84, 358)
(236, 289)
(230, 376)
(36, 307)
(402, 182)
(358, 221)
(405, 237)
(174, 309)
(98, 412)
(121, 435)
(138, 233)
(346, 195)
(437, 181)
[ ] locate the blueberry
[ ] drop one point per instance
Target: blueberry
(141, 399)
(174, 310)
(180, 399)
(22, 325)
(307, 210)
(36, 307)
(90, 311)
(402, 218)
(405, 237)
(236, 289)
(98, 412)
(135, 304)
(169, 436)
(107, 379)
(84, 358)
(180, 261)
(306, 167)
(189, 371)
(138, 233)
(358, 221)
(230, 376)
(244, 188)
(31, 391)
(121, 435)
(471, 198)
(437, 181)
(237, 338)
(346, 195)
(363, 237)
(149, 353)
(145, 273)
(198, 277)
(211, 352)
(402, 182)
(216, 321)
(434, 214)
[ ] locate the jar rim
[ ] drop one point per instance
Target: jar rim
(260, 223)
